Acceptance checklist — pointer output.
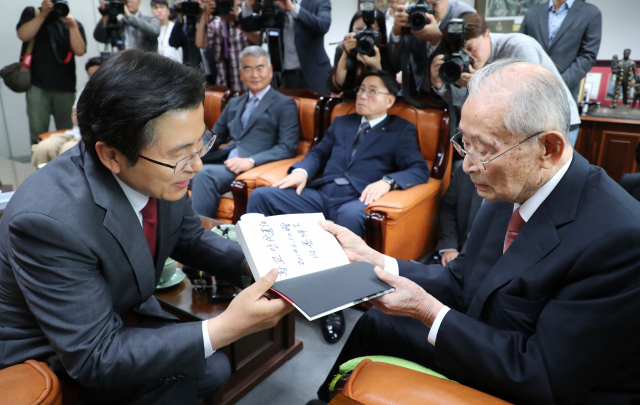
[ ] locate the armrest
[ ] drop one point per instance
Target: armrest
(45, 135)
(376, 383)
(276, 172)
(398, 203)
(250, 176)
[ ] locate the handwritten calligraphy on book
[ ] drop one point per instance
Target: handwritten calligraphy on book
(294, 244)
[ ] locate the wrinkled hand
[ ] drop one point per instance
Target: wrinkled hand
(431, 32)
(354, 247)
(408, 300)
(374, 191)
(374, 62)
(437, 62)
(238, 165)
(286, 5)
(297, 180)
(448, 256)
(349, 43)
(69, 21)
(465, 77)
(250, 311)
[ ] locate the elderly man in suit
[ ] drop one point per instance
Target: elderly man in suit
(569, 31)
(541, 306)
(260, 127)
(84, 240)
(140, 31)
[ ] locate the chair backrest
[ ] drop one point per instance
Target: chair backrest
(310, 110)
(432, 129)
(215, 99)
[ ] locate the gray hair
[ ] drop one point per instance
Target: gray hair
(539, 102)
(257, 51)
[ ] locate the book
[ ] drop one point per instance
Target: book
(314, 273)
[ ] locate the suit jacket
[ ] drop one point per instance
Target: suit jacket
(554, 320)
(389, 148)
(74, 259)
(575, 47)
(271, 132)
(313, 22)
(146, 33)
(457, 210)
(631, 183)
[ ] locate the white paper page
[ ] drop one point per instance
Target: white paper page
(295, 244)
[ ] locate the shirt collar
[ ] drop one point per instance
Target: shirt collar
(137, 200)
(568, 3)
(529, 207)
(375, 121)
(261, 94)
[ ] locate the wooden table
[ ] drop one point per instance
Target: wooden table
(253, 357)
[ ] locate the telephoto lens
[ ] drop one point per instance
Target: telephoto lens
(61, 8)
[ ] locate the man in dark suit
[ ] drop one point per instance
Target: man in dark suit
(569, 32)
(303, 26)
(260, 127)
(457, 210)
(84, 240)
(362, 157)
(541, 306)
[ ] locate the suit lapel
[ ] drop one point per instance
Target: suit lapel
(122, 222)
(237, 119)
(264, 104)
(369, 139)
(566, 23)
(543, 18)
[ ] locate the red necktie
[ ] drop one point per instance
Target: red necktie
(149, 223)
(515, 224)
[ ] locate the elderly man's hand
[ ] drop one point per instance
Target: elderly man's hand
(238, 165)
(297, 180)
(408, 300)
(354, 247)
(374, 191)
(448, 256)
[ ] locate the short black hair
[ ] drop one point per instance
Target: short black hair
(95, 61)
(163, 2)
(131, 89)
(388, 80)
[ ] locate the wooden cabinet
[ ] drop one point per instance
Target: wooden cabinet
(610, 143)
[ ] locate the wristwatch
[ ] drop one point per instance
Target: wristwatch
(391, 181)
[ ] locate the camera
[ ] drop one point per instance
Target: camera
(417, 18)
(189, 8)
(60, 8)
(456, 60)
(268, 11)
(367, 38)
(223, 7)
(112, 8)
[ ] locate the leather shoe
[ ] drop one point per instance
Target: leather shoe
(333, 326)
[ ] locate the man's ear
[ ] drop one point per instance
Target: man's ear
(554, 145)
(391, 102)
(110, 157)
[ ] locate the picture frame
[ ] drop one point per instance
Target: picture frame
(602, 81)
(505, 16)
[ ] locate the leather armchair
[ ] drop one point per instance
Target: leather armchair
(45, 135)
(375, 383)
(30, 383)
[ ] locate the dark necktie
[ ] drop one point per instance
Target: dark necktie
(362, 132)
(149, 224)
(515, 225)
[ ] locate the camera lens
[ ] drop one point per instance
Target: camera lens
(61, 8)
(365, 46)
(417, 21)
(451, 71)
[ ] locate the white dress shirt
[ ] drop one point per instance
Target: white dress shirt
(527, 209)
(164, 48)
(138, 201)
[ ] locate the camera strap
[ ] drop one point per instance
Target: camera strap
(28, 56)
(453, 115)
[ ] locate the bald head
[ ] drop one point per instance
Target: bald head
(535, 98)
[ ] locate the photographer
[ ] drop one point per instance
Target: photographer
(350, 66)
(304, 25)
(421, 44)
(140, 31)
(485, 48)
(224, 40)
(58, 39)
(162, 12)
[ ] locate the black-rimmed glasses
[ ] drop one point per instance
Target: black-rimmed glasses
(370, 92)
(456, 140)
(185, 163)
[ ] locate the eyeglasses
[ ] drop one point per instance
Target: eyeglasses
(370, 92)
(185, 163)
(456, 140)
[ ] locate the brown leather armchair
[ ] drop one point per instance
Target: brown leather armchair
(376, 383)
(310, 113)
(45, 135)
(30, 383)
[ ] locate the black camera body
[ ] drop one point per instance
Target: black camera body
(268, 11)
(112, 8)
(223, 7)
(367, 40)
(417, 18)
(456, 60)
(189, 8)
(60, 8)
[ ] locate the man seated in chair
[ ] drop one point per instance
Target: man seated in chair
(363, 156)
(260, 127)
(541, 306)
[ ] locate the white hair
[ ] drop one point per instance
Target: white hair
(256, 51)
(537, 103)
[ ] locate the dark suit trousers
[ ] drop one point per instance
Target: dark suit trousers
(384, 335)
(208, 185)
(338, 203)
